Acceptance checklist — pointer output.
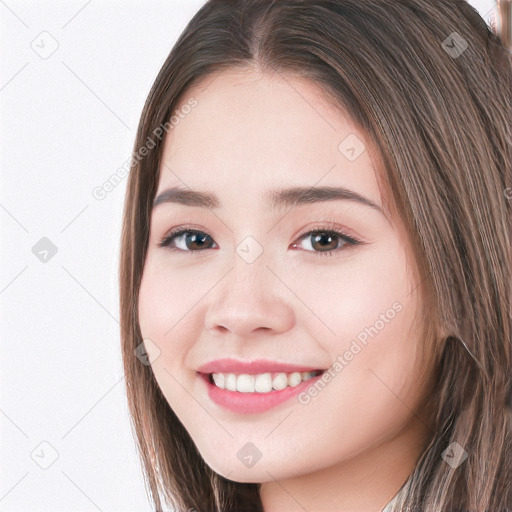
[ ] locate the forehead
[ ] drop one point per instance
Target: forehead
(252, 132)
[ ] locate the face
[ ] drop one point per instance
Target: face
(249, 279)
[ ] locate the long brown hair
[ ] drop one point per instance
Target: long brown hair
(437, 108)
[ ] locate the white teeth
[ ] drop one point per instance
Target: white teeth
(219, 380)
(280, 381)
(245, 383)
(295, 379)
(230, 382)
(260, 383)
(263, 383)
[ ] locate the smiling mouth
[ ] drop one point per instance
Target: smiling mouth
(261, 382)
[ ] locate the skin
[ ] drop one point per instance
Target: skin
(354, 444)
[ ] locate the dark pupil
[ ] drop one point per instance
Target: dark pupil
(195, 238)
(324, 238)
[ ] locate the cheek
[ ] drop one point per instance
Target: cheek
(166, 317)
(157, 302)
(369, 304)
(378, 343)
(164, 300)
(354, 294)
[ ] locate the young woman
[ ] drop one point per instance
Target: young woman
(315, 261)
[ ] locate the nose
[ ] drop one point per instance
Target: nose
(250, 299)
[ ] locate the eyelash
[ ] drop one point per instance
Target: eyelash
(350, 241)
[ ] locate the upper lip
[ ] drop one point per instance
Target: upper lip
(229, 365)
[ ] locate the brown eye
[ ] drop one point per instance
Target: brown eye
(187, 240)
(321, 242)
(326, 242)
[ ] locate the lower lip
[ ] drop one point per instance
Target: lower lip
(250, 403)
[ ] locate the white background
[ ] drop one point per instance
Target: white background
(68, 122)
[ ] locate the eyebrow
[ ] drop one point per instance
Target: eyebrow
(295, 196)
